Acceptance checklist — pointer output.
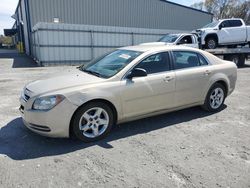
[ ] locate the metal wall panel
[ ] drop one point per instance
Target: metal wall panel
(73, 44)
(21, 11)
(154, 14)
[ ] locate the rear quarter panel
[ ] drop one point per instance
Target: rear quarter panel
(222, 70)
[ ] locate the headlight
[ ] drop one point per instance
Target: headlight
(22, 93)
(47, 103)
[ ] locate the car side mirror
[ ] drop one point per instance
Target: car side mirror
(220, 27)
(137, 72)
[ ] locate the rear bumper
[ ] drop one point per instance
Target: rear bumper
(52, 123)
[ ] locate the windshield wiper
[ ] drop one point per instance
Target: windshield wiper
(93, 73)
(81, 67)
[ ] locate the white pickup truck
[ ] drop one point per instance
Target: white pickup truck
(226, 32)
(237, 55)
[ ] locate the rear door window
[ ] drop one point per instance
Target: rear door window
(184, 59)
(235, 23)
(202, 60)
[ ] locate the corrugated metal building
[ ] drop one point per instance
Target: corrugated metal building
(125, 20)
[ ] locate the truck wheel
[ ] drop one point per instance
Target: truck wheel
(242, 60)
(211, 43)
(239, 60)
(235, 59)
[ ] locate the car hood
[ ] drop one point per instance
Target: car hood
(156, 44)
(62, 80)
(204, 29)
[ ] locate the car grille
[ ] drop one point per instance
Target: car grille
(26, 97)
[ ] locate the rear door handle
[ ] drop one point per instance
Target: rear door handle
(207, 72)
(168, 78)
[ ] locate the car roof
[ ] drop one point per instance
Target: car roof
(152, 48)
(230, 19)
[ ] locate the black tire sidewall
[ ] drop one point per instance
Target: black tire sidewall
(235, 57)
(207, 105)
(75, 123)
(241, 61)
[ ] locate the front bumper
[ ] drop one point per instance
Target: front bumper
(51, 123)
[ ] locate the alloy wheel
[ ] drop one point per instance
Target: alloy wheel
(94, 122)
(211, 44)
(216, 98)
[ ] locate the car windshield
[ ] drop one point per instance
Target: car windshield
(110, 64)
(212, 24)
(171, 38)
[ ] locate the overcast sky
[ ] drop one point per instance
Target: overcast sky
(8, 7)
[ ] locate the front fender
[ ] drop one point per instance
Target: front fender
(208, 33)
(81, 98)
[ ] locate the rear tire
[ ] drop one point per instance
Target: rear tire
(239, 60)
(211, 43)
(92, 121)
(215, 98)
(242, 61)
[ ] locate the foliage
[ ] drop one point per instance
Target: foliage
(226, 8)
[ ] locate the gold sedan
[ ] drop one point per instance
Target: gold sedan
(127, 84)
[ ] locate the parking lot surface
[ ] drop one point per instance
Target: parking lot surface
(187, 148)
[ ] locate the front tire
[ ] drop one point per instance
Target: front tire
(92, 121)
(215, 98)
(211, 43)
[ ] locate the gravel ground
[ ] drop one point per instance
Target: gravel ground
(188, 148)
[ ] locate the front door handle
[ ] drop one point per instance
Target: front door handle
(168, 78)
(207, 72)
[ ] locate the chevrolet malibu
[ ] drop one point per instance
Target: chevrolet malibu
(127, 84)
